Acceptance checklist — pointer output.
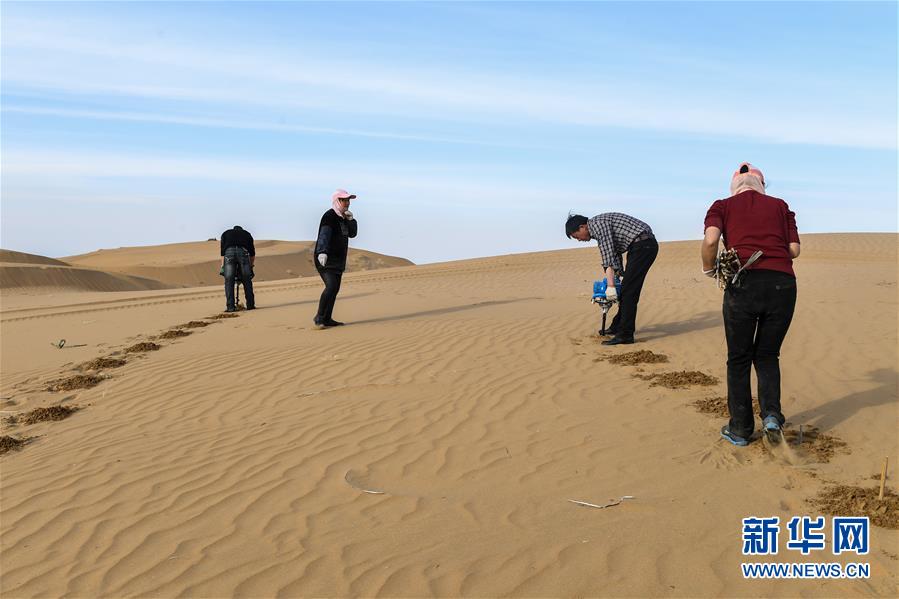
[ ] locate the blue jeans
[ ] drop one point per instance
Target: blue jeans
(237, 265)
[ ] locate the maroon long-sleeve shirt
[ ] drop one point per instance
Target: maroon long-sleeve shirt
(753, 221)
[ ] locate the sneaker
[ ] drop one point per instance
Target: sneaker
(333, 323)
(618, 341)
(773, 430)
(736, 440)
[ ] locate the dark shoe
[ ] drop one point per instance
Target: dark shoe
(230, 310)
(251, 307)
(732, 438)
(333, 323)
(618, 341)
(773, 430)
(318, 323)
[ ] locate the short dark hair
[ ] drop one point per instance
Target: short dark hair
(574, 223)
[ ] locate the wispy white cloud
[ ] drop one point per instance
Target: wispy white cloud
(194, 121)
(457, 184)
(46, 56)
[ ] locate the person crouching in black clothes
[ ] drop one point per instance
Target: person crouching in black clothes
(336, 229)
(238, 259)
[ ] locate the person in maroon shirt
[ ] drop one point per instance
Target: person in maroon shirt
(759, 308)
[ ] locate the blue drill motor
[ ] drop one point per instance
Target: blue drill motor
(599, 298)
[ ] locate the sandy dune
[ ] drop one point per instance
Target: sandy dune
(197, 263)
(432, 446)
(30, 274)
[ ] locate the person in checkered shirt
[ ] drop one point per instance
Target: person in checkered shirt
(619, 234)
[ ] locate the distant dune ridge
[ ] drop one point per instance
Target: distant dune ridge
(192, 264)
(20, 272)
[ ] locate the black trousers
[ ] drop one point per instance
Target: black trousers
(640, 257)
(237, 265)
(332, 280)
(757, 315)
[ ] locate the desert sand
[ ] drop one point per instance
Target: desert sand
(189, 264)
(174, 265)
(433, 445)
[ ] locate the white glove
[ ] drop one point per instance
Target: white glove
(347, 215)
(611, 293)
(323, 259)
(709, 273)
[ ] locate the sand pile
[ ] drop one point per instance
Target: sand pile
(716, 406)
(644, 356)
(78, 381)
(8, 443)
(101, 363)
(677, 380)
(174, 334)
(143, 346)
(50, 414)
(846, 500)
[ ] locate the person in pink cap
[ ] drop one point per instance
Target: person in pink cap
(335, 230)
(759, 302)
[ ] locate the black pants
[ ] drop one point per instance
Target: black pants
(757, 315)
(332, 280)
(237, 265)
(640, 257)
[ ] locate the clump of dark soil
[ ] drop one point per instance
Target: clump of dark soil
(677, 380)
(223, 315)
(194, 324)
(78, 381)
(716, 406)
(142, 347)
(174, 334)
(821, 445)
(8, 444)
(51, 414)
(101, 363)
(818, 446)
(644, 356)
(845, 500)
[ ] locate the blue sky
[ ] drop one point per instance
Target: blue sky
(466, 129)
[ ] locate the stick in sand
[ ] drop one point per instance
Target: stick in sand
(883, 477)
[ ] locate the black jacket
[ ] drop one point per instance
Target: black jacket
(334, 235)
(237, 237)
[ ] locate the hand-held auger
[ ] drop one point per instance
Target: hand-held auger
(599, 298)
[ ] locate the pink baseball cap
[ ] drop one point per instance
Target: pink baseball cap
(745, 168)
(342, 194)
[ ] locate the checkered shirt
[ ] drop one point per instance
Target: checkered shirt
(614, 232)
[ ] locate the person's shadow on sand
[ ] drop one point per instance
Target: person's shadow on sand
(448, 310)
(349, 296)
(827, 416)
(706, 320)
